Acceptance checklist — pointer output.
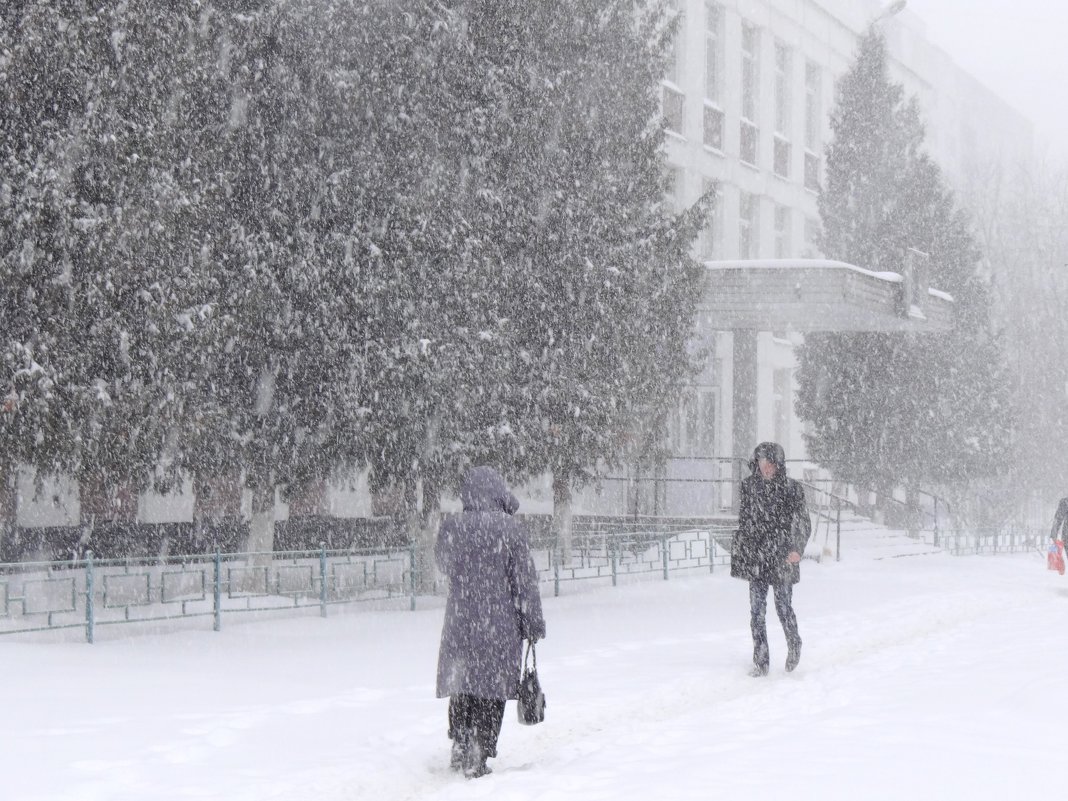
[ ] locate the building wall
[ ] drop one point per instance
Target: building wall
(767, 206)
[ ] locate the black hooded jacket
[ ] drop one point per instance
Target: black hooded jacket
(772, 521)
(1060, 521)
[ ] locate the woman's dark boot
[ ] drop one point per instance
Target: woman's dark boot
(456, 756)
(475, 761)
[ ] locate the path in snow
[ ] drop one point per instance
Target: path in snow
(929, 677)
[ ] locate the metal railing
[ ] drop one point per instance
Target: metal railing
(1007, 540)
(88, 593)
(637, 550)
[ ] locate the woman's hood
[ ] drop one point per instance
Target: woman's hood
(484, 490)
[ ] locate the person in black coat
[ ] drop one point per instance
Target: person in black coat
(773, 528)
(1060, 521)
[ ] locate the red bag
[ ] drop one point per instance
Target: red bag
(1055, 556)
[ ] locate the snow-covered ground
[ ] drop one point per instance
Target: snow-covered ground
(923, 677)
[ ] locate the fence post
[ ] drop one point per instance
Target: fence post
(556, 572)
(411, 570)
(936, 532)
(615, 559)
(664, 548)
(322, 579)
(217, 592)
(711, 552)
(89, 590)
(838, 532)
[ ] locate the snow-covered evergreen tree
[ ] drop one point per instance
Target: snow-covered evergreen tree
(887, 409)
(278, 239)
(600, 289)
(87, 276)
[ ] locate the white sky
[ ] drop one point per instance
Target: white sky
(929, 677)
(1017, 48)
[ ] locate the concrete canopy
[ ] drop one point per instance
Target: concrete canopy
(808, 295)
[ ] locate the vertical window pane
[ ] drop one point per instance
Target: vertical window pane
(750, 71)
(713, 51)
(674, 103)
(783, 59)
(675, 59)
(713, 127)
(812, 235)
(813, 106)
(782, 157)
(812, 171)
(749, 141)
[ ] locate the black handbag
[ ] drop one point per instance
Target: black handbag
(530, 699)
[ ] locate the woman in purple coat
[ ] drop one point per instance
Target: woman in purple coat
(493, 605)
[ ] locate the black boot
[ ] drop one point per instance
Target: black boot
(793, 657)
(475, 761)
(456, 756)
(761, 659)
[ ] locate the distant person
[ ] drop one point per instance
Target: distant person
(493, 605)
(1060, 521)
(773, 528)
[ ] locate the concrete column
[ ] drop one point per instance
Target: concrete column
(744, 401)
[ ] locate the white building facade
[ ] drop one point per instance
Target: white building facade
(747, 98)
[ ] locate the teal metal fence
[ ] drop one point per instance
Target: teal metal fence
(89, 593)
(640, 550)
(1010, 539)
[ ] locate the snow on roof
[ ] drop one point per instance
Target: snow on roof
(820, 264)
(797, 264)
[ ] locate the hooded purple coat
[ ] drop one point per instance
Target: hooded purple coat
(493, 599)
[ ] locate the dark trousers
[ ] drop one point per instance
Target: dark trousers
(758, 605)
(473, 719)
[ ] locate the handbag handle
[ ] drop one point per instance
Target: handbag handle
(530, 652)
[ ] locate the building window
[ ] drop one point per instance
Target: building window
(748, 145)
(750, 129)
(710, 240)
(813, 123)
(781, 163)
(784, 57)
(783, 232)
(674, 102)
(675, 60)
(714, 52)
(783, 60)
(673, 99)
(713, 117)
(748, 226)
(713, 127)
(812, 171)
(812, 238)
